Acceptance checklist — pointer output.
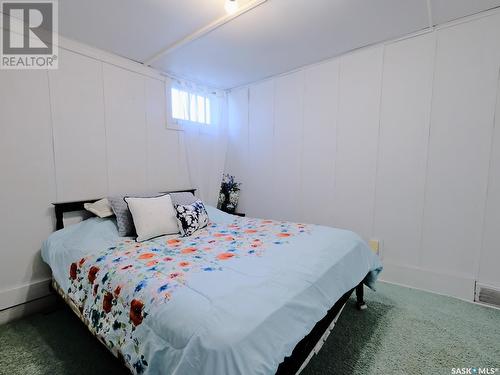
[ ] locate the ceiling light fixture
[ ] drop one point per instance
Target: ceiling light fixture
(231, 6)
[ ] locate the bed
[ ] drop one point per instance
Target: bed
(241, 296)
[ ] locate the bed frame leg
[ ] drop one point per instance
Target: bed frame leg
(360, 304)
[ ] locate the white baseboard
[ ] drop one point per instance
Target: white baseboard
(430, 281)
(23, 294)
(28, 308)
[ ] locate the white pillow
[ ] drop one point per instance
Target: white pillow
(101, 208)
(153, 217)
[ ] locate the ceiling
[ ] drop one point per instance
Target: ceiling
(278, 36)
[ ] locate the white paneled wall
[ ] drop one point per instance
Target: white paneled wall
(126, 135)
(395, 142)
(77, 107)
(260, 144)
(357, 132)
(27, 178)
(402, 156)
(287, 160)
(489, 272)
(87, 130)
(319, 141)
(463, 107)
(238, 136)
(166, 156)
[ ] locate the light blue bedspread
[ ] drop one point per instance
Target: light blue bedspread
(235, 298)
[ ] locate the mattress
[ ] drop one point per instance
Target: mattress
(235, 298)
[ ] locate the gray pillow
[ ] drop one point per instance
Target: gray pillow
(124, 219)
(182, 198)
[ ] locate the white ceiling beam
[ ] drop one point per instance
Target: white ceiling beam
(204, 30)
(429, 13)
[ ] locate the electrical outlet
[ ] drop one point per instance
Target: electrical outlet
(374, 245)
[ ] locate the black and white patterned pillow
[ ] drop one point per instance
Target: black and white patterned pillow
(191, 217)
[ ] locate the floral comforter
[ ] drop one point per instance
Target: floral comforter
(235, 297)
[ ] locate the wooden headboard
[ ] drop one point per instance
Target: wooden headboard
(61, 208)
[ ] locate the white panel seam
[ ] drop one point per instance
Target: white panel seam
(179, 151)
(301, 150)
(477, 261)
(377, 157)
(51, 115)
(146, 129)
(105, 128)
(332, 218)
(273, 148)
(334, 164)
(188, 163)
(248, 126)
(426, 172)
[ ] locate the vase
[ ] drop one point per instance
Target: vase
(234, 197)
(221, 201)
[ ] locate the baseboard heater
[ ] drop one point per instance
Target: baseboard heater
(487, 295)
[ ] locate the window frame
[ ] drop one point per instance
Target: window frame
(180, 124)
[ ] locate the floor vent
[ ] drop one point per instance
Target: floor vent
(487, 294)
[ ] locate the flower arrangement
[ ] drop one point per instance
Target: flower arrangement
(229, 194)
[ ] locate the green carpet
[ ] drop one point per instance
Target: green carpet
(404, 331)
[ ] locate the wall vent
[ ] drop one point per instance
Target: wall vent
(487, 294)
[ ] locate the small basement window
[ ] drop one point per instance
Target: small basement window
(191, 107)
